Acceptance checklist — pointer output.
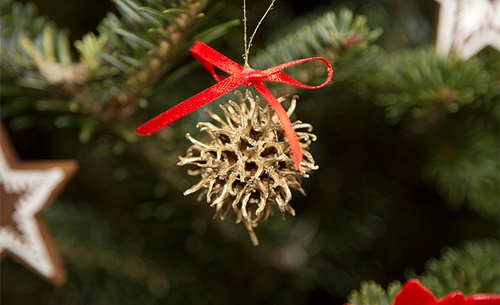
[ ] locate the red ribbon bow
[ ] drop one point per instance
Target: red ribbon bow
(209, 58)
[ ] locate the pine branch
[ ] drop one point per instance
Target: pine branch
(371, 293)
(151, 30)
(115, 68)
(329, 35)
(335, 36)
(449, 99)
(35, 49)
(472, 268)
(90, 249)
(465, 170)
(423, 84)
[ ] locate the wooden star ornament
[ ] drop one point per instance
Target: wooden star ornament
(468, 26)
(27, 188)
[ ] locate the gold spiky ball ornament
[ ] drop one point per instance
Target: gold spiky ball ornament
(247, 166)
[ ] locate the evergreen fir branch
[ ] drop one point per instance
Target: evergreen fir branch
(149, 29)
(427, 88)
(335, 36)
(420, 83)
(491, 100)
(371, 293)
(91, 51)
(473, 267)
(90, 249)
(117, 263)
(465, 171)
(131, 52)
(327, 35)
(33, 47)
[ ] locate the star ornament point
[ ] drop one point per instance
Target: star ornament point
(468, 26)
(27, 188)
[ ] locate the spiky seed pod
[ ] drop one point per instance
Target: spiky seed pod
(247, 167)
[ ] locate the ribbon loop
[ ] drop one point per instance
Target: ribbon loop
(210, 58)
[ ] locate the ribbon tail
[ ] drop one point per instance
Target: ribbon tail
(187, 106)
(290, 134)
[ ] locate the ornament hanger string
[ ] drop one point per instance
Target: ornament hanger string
(248, 43)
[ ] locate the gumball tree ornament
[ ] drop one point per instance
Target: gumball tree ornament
(247, 166)
(255, 157)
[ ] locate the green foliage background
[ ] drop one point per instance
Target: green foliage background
(408, 149)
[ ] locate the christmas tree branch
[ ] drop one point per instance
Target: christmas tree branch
(89, 248)
(371, 293)
(115, 68)
(421, 84)
(112, 261)
(435, 95)
(35, 49)
(162, 40)
(335, 36)
(471, 268)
